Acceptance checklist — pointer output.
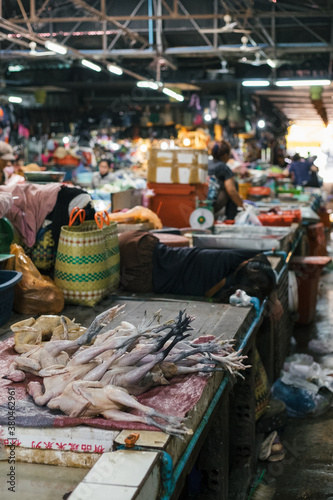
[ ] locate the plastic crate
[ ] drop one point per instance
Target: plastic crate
(8, 279)
(283, 218)
(174, 203)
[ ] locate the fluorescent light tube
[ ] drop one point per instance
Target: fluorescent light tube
(15, 68)
(147, 85)
(271, 63)
(55, 47)
(91, 65)
(115, 69)
(255, 83)
(172, 94)
(15, 99)
(301, 83)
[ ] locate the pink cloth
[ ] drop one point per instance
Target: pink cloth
(31, 207)
(6, 203)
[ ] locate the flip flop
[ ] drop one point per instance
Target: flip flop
(276, 457)
(277, 451)
(266, 446)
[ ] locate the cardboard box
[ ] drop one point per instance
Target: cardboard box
(178, 166)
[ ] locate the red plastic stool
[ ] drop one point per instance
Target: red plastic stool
(308, 270)
(317, 239)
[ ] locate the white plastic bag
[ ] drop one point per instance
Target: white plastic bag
(240, 299)
(247, 218)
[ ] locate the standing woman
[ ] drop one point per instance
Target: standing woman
(228, 195)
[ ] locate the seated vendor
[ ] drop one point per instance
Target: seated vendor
(103, 176)
(228, 195)
(150, 266)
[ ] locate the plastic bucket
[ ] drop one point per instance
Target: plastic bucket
(8, 280)
(243, 189)
(307, 270)
(6, 235)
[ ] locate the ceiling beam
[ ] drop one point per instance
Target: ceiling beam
(103, 17)
(165, 17)
(24, 14)
(35, 37)
(133, 13)
(32, 9)
(40, 10)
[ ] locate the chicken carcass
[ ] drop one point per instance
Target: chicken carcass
(87, 399)
(85, 380)
(30, 332)
(55, 353)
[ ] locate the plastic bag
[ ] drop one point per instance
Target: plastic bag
(137, 214)
(305, 386)
(247, 218)
(240, 299)
(302, 367)
(302, 402)
(35, 294)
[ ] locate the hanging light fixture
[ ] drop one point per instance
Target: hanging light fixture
(147, 85)
(115, 69)
(15, 99)
(172, 94)
(90, 65)
(301, 83)
(56, 47)
(255, 83)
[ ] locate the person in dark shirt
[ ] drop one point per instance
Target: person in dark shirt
(228, 195)
(303, 172)
(147, 266)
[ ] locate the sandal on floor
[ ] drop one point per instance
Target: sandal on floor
(277, 451)
(266, 446)
(276, 457)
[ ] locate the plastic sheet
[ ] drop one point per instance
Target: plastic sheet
(35, 294)
(137, 214)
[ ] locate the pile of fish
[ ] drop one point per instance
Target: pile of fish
(101, 373)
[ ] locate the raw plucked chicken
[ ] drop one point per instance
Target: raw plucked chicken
(86, 380)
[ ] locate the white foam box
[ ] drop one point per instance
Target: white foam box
(178, 166)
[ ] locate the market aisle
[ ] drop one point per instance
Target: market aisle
(306, 473)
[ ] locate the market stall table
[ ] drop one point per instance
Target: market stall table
(211, 318)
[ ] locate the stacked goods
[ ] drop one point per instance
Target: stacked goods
(178, 166)
(178, 178)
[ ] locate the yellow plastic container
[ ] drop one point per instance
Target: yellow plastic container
(243, 189)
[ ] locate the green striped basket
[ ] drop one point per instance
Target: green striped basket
(87, 262)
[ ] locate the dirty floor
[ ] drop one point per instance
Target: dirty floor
(306, 473)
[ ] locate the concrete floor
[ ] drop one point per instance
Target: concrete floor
(306, 473)
(39, 482)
